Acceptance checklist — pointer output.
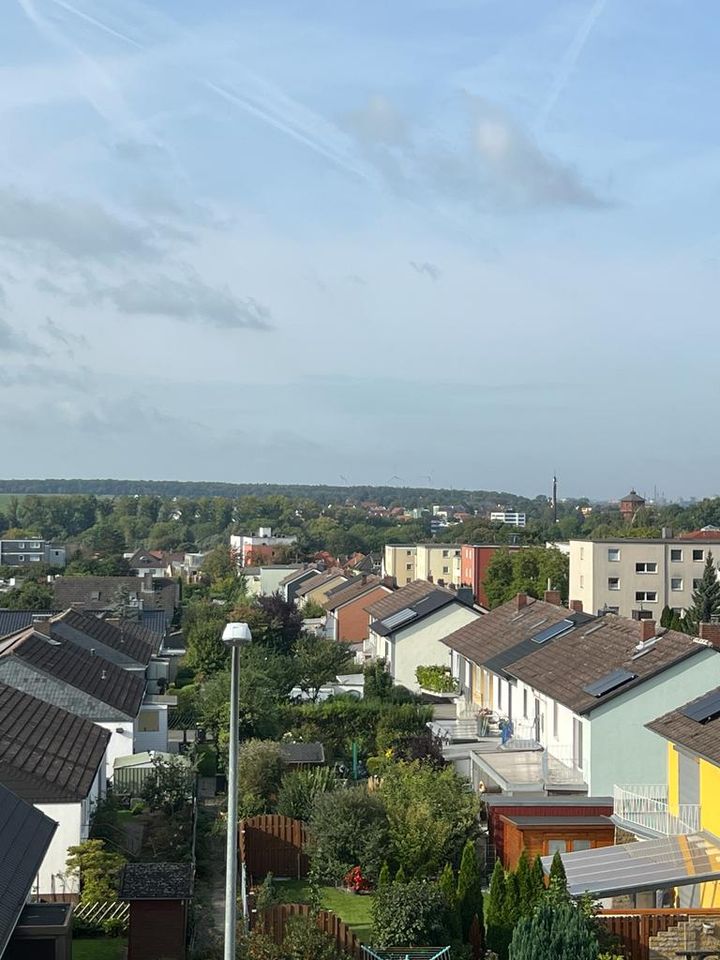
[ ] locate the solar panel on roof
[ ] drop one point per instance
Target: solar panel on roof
(705, 709)
(555, 630)
(609, 682)
(402, 616)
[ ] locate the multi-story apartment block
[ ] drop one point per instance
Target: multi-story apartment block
(423, 561)
(262, 547)
(511, 518)
(624, 576)
(474, 562)
(29, 550)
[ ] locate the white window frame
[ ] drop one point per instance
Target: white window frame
(641, 567)
(643, 596)
(678, 559)
(616, 581)
(701, 558)
(674, 580)
(613, 550)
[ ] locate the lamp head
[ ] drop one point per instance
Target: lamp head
(236, 634)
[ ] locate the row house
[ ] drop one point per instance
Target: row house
(577, 690)
(317, 588)
(290, 584)
(264, 581)
(407, 628)
(56, 761)
(346, 606)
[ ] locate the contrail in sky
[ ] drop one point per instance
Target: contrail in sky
(568, 63)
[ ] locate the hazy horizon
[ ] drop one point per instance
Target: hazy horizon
(459, 239)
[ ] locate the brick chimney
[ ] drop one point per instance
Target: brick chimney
(553, 596)
(711, 633)
(576, 606)
(647, 630)
(521, 600)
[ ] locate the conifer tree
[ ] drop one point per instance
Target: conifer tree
(705, 605)
(555, 932)
(384, 876)
(400, 876)
(558, 889)
(537, 876)
(469, 888)
(496, 913)
(666, 617)
(447, 885)
(526, 898)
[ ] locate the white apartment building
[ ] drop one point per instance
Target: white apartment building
(510, 518)
(623, 576)
(422, 561)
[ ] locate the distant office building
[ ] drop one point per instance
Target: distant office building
(29, 550)
(509, 517)
(261, 547)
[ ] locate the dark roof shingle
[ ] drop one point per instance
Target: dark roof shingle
(701, 738)
(157, 881)
(128, 638)
(47, 753)
(95, 676)
(404, 597)
(345, 592)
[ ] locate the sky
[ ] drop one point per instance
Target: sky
(455, 243)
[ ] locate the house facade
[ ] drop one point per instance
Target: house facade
(29, 551)
(347, 619)
(630, 575)
(474, 562)
(261, 547)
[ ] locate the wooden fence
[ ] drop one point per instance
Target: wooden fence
(274, 921)
(633, 928)
(273, 844)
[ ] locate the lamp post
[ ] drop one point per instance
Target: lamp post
(235, 635)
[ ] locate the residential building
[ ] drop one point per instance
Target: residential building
(262, 547)
(630, 504)
(31, 550)
(422, 561)
(155, 622)
(158, 563)
(263, 581)
(25, 835)
(65, 675)
(317, 588)
(407, 628)
(346, 605)
(474, 562)
(123, 595)
(639, 575)
(56, 761)
(510, 518)
(573, 685)
(289, 585)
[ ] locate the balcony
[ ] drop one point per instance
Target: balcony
(643, 809)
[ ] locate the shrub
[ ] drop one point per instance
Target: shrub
(260, 772)
(377, 680)
(305, 941)
(169, 787)
(96, 869)
(409, 914)
(555, 932)
(436, 678)
(347, 828)
(299, 788)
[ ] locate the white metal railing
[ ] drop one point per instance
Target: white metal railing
(646, 806)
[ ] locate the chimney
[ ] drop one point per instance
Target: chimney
(553, 596)
(92, 651)
(711, 633)
(521, 600)
(666, 533)
(576, 606)
(647, 630)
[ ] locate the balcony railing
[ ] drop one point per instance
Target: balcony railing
(645, 807)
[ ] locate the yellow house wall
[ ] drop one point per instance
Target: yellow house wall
(710, 820)
(673, 777)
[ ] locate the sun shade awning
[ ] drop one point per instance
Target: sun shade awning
(643, 865)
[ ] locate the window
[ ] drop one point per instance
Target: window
(581, 845)
(445, 554)
(21, 558)
(676, 555)
(646, 566)
(408, 566)
(95, 595)
(646, 596)
(613, 554)
(676, 583)
(34, 546)
(457, 553)
(408, 553)
(525, 713)
(613, 583)
(149, 721)
(21, 546)
(446, 569)
(35, 559)
(556, 846)
(556, 724)
(698, 555)
(408, 579)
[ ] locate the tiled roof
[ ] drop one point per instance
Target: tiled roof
(95, 676)
(413, 612)
(701, 738)
(294, 574)
(157, 881)
(126, 637)
(13, 620)
(402, 598)
(47, 753)
(505, 631)
(25, 835)
(319, 581)
(563, 668)
(345, 592)
(102, 593)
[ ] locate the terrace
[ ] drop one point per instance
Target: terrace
(644, 809)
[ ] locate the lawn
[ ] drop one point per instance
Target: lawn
(98, 948)
(354, 910)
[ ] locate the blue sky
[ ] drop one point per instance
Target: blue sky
(475, 240)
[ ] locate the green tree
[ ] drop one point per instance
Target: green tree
(496, 911)
(537, 878)
(555, 932)
(498, 581)
(30, 596)
(347, 828)
(705, 606)
(413, 913)
(384, 876)
(96, 869)
(169, 787)
(526, 891)
(319, 660)
(448, 888)
(299, 788)
(378, 682)
(260, 772)
(469, 887)
(206, 652)
(666, 617)
(558, 889)
(400, 875)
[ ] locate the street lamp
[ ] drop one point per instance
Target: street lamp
(235, 635)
